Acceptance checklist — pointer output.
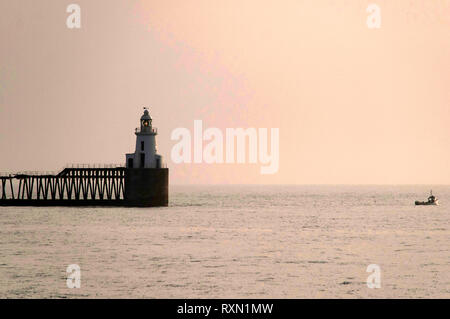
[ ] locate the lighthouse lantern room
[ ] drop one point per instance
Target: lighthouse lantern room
(145, 155)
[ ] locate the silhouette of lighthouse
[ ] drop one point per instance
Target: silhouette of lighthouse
(146, 181)
(145, 155)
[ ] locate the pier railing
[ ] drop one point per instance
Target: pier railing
(94, 165)
(55, 173)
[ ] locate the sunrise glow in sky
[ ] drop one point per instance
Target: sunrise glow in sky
(352, 104)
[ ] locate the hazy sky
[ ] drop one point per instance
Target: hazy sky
(353, 104)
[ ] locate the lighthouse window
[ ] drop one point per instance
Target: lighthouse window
(142, 145)
(142, 160)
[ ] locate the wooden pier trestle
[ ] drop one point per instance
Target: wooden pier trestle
(87, 187)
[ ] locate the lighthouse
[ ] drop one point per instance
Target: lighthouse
(146, 178)
(145, 154)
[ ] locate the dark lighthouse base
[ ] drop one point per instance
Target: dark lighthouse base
(146, 187)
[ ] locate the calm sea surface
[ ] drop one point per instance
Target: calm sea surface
(235, 242)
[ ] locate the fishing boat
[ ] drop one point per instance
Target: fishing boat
(432, 200)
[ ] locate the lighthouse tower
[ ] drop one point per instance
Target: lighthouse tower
(145, 155)
(146, 180)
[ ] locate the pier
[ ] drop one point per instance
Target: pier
(70, 187)
(87, 187)
(143, 181)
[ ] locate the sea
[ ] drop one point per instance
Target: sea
(231, 241)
